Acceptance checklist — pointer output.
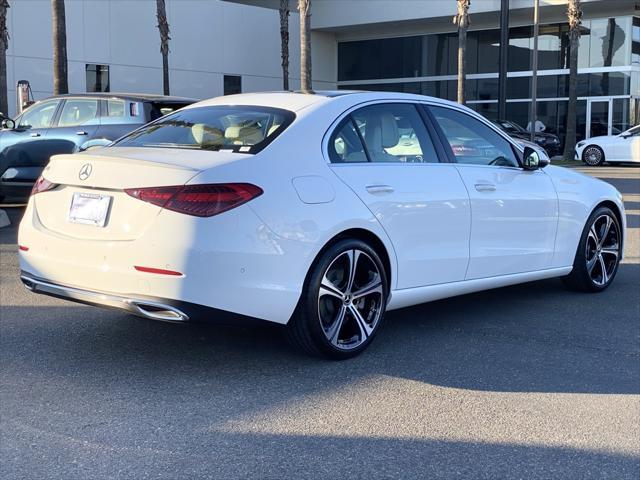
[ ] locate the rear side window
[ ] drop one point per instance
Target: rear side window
(391, 132)
(244, 129)
(78, 112)
(115, 108)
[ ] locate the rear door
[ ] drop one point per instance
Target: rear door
(514, 211)
(77, 122)
(385, 153)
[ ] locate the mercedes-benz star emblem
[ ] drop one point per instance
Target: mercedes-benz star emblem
(85, 171)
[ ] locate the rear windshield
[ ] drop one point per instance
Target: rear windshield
(244, 129)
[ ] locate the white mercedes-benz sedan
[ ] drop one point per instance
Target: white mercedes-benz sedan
(622, 148)
(315, 211)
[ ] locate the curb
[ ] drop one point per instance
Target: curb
(4, 219)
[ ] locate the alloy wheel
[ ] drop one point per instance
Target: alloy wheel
(602, 250)
(350, 300)
(593, 156)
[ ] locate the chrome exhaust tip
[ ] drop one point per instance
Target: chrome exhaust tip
(158, 311)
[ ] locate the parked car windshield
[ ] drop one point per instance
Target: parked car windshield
(245, 129)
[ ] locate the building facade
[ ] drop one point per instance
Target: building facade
(411, 46)
(113, 45)
(226, 46)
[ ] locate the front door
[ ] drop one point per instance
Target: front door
(514, 212)
(386, 155)
(23, 150)
(599, 118)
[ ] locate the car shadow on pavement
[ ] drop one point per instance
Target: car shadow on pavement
(535, 337)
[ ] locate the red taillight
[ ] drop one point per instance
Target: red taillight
(199, 200)
(23, 248)
(42, 185)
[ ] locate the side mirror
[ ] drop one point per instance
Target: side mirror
(532, 159)
(8, 124)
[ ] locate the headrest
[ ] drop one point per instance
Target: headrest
(390, 134)
(232, 132)
(205, 135)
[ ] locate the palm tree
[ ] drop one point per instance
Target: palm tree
(4, 44)
(462, 21)
(163, 27)
(59, 29)
(284, 42)
(573, 16)
(304, 8)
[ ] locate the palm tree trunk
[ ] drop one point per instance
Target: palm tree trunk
(304, 7)
(284, 42)
(59, 31)
(4, 44)
(462, 21)
(573, 16)
(163, 27)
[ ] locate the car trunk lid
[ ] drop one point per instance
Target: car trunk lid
(90, 201)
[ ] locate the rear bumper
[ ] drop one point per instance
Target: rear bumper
(161, 309)
(231, 264)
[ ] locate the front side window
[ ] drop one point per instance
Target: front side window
(473, 142)
(391, 133)
(245, 129)
(39, 115)
(78, 112)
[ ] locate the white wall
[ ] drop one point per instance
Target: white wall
(208, 39)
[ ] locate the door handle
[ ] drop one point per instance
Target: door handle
(485, 187)
(81, 133)
(373, 189)
(35, 134)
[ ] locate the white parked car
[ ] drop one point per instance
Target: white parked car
(621, 148)
(315, 211)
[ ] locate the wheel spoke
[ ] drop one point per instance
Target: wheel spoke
(375, 286)
(334, 329)
(603, 267)
(613, 250)
(593, 235)
(353, 256)
(365, 328)
(607, 227)
(592, 263)
(327, 287)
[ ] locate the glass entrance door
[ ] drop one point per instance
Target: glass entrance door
(599, 117)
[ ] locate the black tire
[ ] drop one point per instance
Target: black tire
(593, 156)
(309, 328)
(581, 277)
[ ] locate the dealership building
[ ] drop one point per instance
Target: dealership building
(220, 47)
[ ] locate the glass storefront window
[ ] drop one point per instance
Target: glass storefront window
(609, 43)
(621, 115)
(520, 48)
(635, 41)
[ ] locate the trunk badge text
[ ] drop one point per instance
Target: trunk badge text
(85, 171)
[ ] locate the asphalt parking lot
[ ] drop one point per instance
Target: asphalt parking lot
(529, 381)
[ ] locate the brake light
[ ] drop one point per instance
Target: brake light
(42, 185)
(204, 200)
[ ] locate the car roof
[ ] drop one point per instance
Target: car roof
(296, 101)
(140, 97)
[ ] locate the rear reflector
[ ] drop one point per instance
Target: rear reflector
(42, 185)
(199, 200)
(23, 248)
(159, 271)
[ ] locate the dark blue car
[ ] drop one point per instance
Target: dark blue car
(67, 124)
